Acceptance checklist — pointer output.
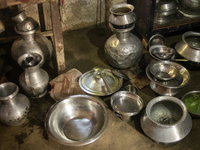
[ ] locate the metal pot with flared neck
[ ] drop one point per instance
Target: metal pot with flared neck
(30, 41)
(33, 80)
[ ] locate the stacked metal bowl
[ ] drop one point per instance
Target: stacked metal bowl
(165, 10)
(167, 77)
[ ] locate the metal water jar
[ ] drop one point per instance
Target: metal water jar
(30, 41)
(33, 80)
(123, 49)
(14, 106)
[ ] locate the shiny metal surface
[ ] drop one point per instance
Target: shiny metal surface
(123, 49)
(163, 71)
(33, 80)
(156, 39)
(171, 87)
(14, 106)
(98, 71)
(187, 95)
(131, 88)
(122, 16)
(30, 41)
(25, 23)
(189, 46)
(168, 116)
(162, 52)
(166, 5)
(126, 104)
(189, 8)
(165, 11)
(77, 120)
(93, 84)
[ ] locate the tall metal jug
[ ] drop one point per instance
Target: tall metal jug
(30, 41)
(33, 80)
(14, 106)
(123, 49)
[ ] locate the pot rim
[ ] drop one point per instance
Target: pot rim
(10, 96)
(126, 113)
(176, 65)
(131, 7)
(190, 33)
(165, 98)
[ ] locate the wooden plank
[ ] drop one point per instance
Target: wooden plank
(6, 3)
(47, 15)
(58, 37)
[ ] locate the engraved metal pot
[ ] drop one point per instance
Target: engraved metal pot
(14, 106)
(30, 41)
(33, 80)
(123, 49)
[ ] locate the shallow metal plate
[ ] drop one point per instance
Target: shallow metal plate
(94, 85)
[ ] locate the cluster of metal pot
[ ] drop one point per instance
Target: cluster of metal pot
(166, 114)
(31, 51)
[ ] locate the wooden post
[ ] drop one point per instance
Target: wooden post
(58, 37)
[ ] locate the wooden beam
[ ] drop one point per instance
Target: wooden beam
(6, 3)
(58, 37)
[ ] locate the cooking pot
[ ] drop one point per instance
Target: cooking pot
(122, 16)
(166, 120)
(189, 46)
(171, 87)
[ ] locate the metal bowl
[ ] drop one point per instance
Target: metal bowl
(77, 120)
(166, 5)
(187, 95)
(189, 46)
(189, 8)
(161, 52)
(126, 104)
(156, 39)
(163, 70)
(166, 120)
(170, 87)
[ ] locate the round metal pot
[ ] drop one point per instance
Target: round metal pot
(122, 16)
(189, 46)
(171, 87)
(123, 49)
(126, 105)
(14, 106)
(161, 90)
(166, 120)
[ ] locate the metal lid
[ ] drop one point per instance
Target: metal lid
(92, 83)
